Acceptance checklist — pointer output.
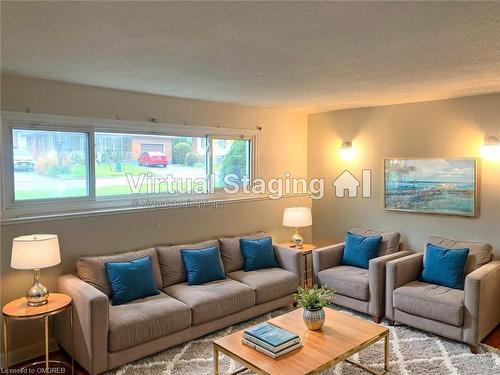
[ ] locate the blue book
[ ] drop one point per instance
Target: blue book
(271, 334)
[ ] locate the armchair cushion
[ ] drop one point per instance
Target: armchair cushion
(269, 283)
(479, 252)
(444, 266)
(359, 250)
(347, 280)
(390, 240)
(146, 319)
(431, 301)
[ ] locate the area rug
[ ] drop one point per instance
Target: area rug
(411, 352)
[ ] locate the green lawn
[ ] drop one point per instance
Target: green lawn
(51, 193)
(108, 170)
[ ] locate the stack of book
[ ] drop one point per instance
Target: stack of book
(271, 340)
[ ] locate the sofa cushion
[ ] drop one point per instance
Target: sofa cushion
(479, 252)
(258, 253)
(347, 280)
(202, 265)
(93, 271)
(231, 253)
(213, 300)
(131, 280)
(431, 301)
(390, 240)
(171, 267)
(146, 319)
(269, 283)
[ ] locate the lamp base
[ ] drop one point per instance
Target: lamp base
(37, 295)
(297, 239)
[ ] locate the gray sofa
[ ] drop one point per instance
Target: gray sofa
(108, 336)
(463, 315)
(356, 288)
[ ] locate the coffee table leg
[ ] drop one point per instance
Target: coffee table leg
(386, 352)
(216, 360)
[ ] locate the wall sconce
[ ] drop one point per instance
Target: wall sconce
(347, 152)
(490, 150)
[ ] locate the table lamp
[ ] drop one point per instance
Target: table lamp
(32, 253)
(297, 217)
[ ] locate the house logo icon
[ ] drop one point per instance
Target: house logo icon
(347, 183)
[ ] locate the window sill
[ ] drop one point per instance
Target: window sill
(216, 202)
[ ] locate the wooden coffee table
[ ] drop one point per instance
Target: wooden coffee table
(341, 337)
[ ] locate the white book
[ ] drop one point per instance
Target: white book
(265, 345)
(269, 353)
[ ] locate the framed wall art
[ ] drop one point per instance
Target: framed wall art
(436, 186)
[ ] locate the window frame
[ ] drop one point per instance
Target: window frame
(12, 209)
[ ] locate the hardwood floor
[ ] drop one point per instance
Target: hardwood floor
(493, 339)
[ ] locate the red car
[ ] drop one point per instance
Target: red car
(150, 159)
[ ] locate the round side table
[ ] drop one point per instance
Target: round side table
(19, 310)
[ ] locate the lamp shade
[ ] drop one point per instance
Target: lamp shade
(297, 217)
(35, 251)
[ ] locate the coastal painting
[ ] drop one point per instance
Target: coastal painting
(437, 186)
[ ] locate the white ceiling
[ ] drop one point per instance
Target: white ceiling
(302, 56)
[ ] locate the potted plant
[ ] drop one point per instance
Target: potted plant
(313, 300)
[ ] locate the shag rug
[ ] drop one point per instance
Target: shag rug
(411, 352)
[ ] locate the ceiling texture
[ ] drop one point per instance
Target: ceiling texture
(307, 56)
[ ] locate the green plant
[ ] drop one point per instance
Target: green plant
(179, 152)
(192, 158)
(235, 161)
(315, 298)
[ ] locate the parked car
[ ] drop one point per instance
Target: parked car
(23, 161)
(152, 158)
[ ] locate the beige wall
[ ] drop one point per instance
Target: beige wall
(437, 129)
(282, 147)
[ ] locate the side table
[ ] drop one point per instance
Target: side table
(306, 251)
(19, 310)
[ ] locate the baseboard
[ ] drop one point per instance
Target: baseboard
(29, 352)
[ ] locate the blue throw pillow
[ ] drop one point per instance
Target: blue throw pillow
(258, 253)
(444, 267)
(131, 280)
(358, 250)
(202, 265)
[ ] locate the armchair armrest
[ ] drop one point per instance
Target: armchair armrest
(376, 272)
(482, 306)
(398, 273)
(90, 323)
(289, 259)
(327, 257)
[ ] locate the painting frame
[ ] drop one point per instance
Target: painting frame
(474, 212)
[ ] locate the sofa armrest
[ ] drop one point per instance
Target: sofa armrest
(482, 306)
(90, 323)
(289, 259)
(376, 271)
(327, 257)
(398, 273)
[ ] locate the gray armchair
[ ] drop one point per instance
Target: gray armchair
(356, 288)
(463, 315)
